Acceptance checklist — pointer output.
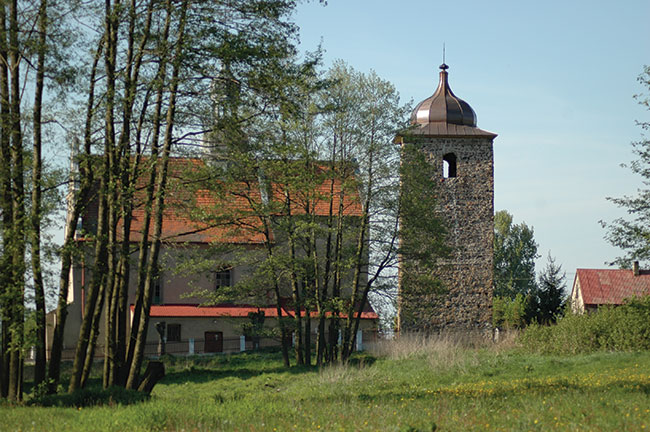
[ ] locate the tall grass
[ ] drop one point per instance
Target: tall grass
(446, 351)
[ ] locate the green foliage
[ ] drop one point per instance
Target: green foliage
(543, 303)
(632, 234)
(509, 313)
(515, 251)
(547, 301)
(623, 328)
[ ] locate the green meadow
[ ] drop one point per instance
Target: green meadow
(407, 385)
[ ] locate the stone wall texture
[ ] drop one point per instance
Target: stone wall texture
(466, 204)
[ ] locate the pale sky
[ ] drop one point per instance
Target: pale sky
(555, 79)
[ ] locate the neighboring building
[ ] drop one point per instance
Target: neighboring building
(593, 288)
(187, 326)
(461, 156)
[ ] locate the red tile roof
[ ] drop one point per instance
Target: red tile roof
(183, 199)
(605, 286)
(232, 311)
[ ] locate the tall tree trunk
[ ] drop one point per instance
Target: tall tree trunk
(322, 343)
(93, 291)
(111, 27)
(6, 204)
(285, 341)
(94, 334)
(335, 323)
(18, 250)
(295, 288)
(161, 184)
(39, 290)
(152, 164)
(76, 202)
(358, 299)
(129, 177)
(112, 279)
(307, 333)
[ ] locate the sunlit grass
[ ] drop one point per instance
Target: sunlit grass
(445, 385)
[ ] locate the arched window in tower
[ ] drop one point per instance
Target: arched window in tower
(449, 165)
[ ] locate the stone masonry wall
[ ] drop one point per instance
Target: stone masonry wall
(466, 204)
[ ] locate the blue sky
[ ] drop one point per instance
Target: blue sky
(555, 80)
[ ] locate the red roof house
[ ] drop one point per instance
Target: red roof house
(596, 287)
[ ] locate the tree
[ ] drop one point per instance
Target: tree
(164, 68)
(330, 171)
(515, 251)
(30, 42)
(510, 313)
(549, 297)
(632, 235)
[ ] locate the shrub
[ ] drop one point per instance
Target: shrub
(509, 313)
(622, 328)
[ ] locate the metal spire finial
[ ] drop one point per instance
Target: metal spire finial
(443, 66)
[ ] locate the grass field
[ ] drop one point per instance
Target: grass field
(406, 386)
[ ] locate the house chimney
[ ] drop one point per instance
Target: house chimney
(635, 268)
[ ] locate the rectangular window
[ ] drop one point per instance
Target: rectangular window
(173, 332)
(157, 293)
(223, 279)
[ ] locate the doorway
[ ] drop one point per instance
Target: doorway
(213, 342)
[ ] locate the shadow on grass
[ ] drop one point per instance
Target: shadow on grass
(196, 374)
(240, 365)
(93, 396)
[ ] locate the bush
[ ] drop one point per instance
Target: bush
(622, 328)
(509, 313)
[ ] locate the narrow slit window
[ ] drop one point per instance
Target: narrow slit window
(449, 165)
(157, 293)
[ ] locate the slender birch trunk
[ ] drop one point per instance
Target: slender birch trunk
(6, 197)
(39, 290)
(17, 250)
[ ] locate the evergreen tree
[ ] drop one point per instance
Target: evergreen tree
(550, 295)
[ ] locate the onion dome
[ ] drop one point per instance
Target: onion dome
(444, 107)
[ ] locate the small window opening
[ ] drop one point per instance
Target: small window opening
(173, 333)
(449, 165)
(224, 278)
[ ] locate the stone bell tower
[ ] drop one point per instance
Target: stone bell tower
(461, 161)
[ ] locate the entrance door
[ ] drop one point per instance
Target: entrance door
(213, 342)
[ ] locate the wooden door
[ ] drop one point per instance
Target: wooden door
(213, 342)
